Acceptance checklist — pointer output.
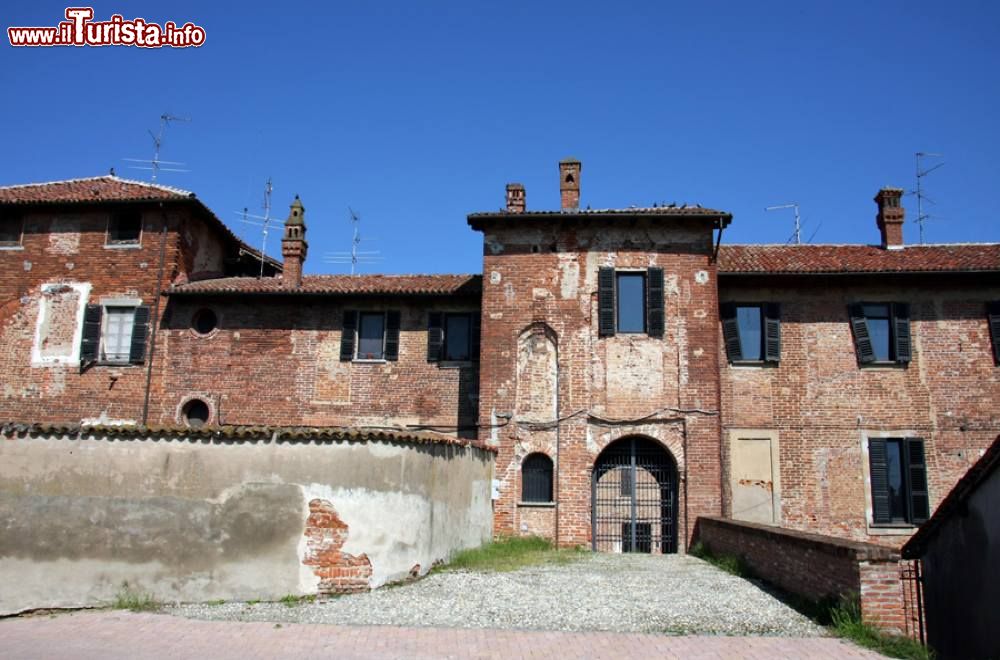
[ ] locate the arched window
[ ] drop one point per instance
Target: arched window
(536, 478)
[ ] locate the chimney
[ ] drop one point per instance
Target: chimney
(294, 246)
(569, 183)
(515, 198)
(890, 217)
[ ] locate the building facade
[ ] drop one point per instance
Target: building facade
(633, 371)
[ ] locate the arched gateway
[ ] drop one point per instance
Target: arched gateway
(634, 498)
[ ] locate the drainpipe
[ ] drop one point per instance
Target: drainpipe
(155, 319)
(558, 464)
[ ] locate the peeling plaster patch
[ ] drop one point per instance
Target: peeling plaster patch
(496, 315)
(64, 236)
(670, 285)
(700, 313)
(57, 335)
(27, 265)
(325, 535)
(495, 277)
(569, 274)
(701, 277)
(508, 293)
(69, 265)
(104, 420)
(540, 294)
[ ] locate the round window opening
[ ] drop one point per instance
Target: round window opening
(204, 321)
(195, 413)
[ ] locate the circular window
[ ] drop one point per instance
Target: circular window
(204, 321)
(195, 413)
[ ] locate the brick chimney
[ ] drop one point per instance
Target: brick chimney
(294, 246)
(569, 183)
(890, 217)
(515, 198)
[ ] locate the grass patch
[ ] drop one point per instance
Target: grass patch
(216, 602)
(511, 553)
(294, 601)
(130, 598)
(845, 622)
(729, 563)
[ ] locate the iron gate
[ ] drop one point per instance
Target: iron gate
(634, 498)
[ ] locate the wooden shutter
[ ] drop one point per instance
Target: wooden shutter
(918, 505)
(140, 330)
(392, 319)
(993, 311)
(862, 340)
(474, 332)
(878, 463)
(91, 341)
(435, 336)
(901, 332)
(731, 332)
(654, 302)
(348, 331)
(772, 332)
(606, 302)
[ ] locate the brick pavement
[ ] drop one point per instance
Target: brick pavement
(106, 635)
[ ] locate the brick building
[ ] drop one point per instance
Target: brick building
(634, 372)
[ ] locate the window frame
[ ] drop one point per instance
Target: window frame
(762, 323)
(445, 335)
(18, 220)
(102, 348)
(118, 243)
(891, 338)
(357, 336)
(900, 336)
(547, 471)
(643, 296)
(909, 519)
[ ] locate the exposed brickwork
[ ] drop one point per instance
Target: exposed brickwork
(338, 572)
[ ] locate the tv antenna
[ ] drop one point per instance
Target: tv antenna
(355, 257)
(262, 221)
(155, 164)
(797, 235)
(919, 192)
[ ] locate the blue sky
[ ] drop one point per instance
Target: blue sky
(418, 113)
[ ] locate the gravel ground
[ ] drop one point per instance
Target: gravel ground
(624, 593)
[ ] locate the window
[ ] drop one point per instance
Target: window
(452, 336)
(752, 332)
(898, 481)
(125, 228)
(115, 334)
(375, 334)
(881, 332)
(536, 478)
(993, 317)
(630, 302)
(204, 322)
(195, 413)
(11, 229)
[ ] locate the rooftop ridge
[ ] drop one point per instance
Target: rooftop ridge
(103, 177)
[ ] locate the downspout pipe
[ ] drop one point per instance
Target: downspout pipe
(155, 319)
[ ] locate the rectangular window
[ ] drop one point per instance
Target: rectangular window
(125, 228)
(457, 337)
(898, 481)
(752, 331)
(881, 332)
(117, 334)
(631, 299)
(371, 336)
(750, 321)
(11, 229)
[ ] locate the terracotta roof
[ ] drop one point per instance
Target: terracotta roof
(830, 259)
(238, 434)
(426, 285)
(674, 211)
(953, 503)
(110, 188)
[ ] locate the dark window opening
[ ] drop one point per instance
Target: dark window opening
(195, 413)
(626, 481)
(631, 299)
(536, 478)
(125, 228)
(569, 178)
(457, 337)
(898, 472)
(204, 321)
(11, 229)
(751, 323)
(897, 493)
(879, 322)
(371, 336)
(881, 332)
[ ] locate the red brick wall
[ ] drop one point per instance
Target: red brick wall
(824, 406)
(540, 278)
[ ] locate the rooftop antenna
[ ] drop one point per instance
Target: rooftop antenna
(262, 221)
(355, 257)
(919, 192)
(155, 164)
(798, 226)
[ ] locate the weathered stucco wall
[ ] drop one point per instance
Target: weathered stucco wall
(200, 519)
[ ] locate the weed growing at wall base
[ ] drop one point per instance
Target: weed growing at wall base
(511, 553)
(130, 598)
(845, 621)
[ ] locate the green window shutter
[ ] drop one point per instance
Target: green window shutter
(606, 302)
(348, 331)
(392, 319)
(91, 334)
(993, 311)
(474, 338)
(862, 340)
(731, 332)
(901, 332)
(772, 332)
(878, 463)
(654, 302)
(918, 505)
(140, 331)
(435, 336)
